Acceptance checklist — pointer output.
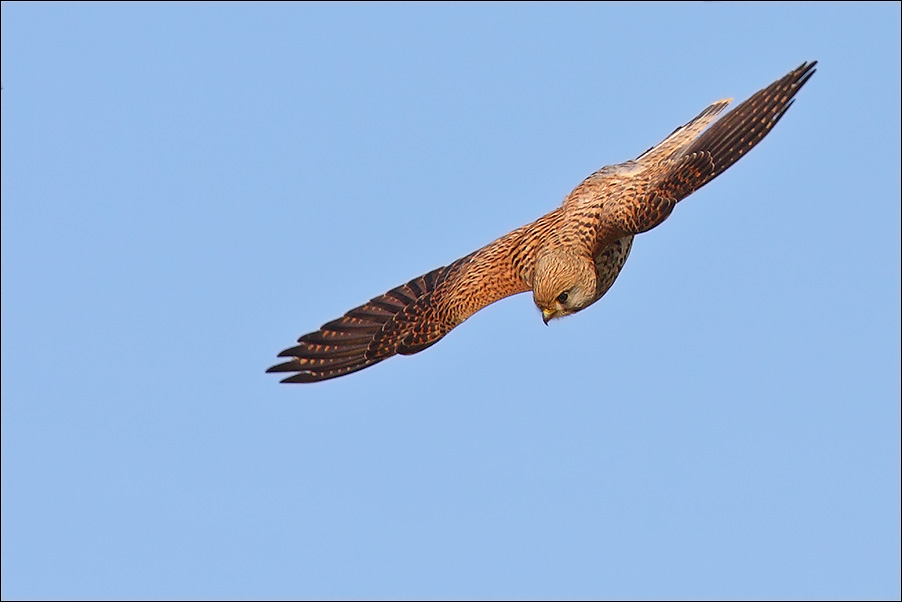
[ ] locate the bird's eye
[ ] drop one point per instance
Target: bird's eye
(562, 298)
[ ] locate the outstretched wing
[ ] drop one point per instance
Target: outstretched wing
(414, 316)
(731, 137)
(404, 320)
(714, 151)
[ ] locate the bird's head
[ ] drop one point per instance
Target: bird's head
(564, 283)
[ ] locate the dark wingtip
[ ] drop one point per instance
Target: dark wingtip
(300, 377)
(378, 329)
(807, 70)
(291, 366)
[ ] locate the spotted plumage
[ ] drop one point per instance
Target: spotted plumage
(568, 258)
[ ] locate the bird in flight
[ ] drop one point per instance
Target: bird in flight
(568, 258)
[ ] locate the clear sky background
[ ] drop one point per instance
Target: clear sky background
(188, 188)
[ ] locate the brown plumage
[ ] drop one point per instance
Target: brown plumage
(568, 258)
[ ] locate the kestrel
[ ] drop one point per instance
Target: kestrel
(568, 258)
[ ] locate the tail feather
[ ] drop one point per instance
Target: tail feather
(683, 135)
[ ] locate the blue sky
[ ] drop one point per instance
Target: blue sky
(188, 188)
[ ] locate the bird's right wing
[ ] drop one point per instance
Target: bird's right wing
(404, 320)
(416, 315)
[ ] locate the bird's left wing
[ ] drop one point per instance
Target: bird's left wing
(731, 137)
(710, 154)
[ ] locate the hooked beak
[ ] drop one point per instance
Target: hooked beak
(547, 314)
